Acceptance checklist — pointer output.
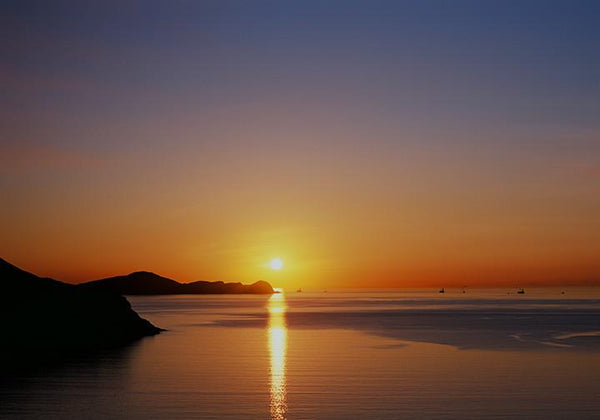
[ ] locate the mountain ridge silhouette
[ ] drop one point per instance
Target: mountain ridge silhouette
(149, 283)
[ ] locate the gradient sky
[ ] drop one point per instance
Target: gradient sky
(367, 144)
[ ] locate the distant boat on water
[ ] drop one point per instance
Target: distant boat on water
(521, 291)
(299, 291)
(442, 290)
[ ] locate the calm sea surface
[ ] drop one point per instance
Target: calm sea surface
(337, 355)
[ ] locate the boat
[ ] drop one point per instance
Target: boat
(521, 291)
(299, 291)
(442, 290)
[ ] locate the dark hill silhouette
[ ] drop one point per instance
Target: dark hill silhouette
(147, 283)
(43, 314)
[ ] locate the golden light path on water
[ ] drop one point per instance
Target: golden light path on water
(277, 347)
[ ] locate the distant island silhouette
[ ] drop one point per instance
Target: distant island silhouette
(148, 283)
(45, 315)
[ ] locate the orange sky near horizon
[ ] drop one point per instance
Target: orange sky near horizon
(395, 215)
(330, 229)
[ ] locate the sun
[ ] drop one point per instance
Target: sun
(276, 264)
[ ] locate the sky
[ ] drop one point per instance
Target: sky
(365, 143)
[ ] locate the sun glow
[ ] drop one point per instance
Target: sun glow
(276, 264)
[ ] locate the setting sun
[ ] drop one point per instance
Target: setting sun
(276, 264)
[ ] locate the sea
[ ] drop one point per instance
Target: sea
(346, 354)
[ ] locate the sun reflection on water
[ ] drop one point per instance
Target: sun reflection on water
(277, 348)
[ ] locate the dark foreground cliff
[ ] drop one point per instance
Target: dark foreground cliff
(45, 315)
(147, 283)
